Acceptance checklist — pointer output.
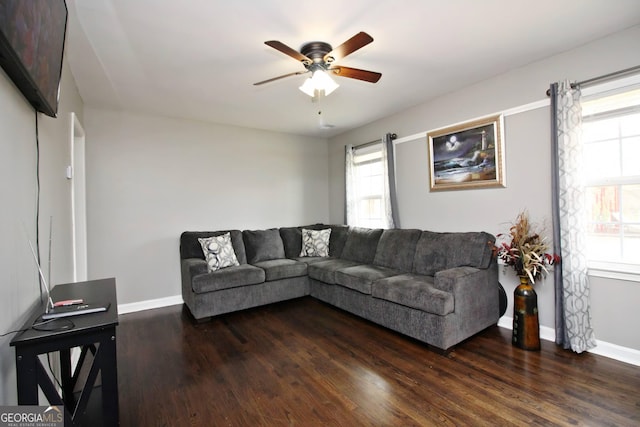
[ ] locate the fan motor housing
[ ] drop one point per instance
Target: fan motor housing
(316, 50)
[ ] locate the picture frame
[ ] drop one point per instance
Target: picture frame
(467, 155)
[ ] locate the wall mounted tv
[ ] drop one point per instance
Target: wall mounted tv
(32, 34)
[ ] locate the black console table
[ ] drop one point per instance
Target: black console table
(94, 333)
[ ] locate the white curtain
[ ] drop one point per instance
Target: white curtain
(573, 312)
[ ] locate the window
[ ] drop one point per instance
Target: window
(611, 137)
(369, 187)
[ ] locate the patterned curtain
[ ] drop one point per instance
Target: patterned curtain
(573, 313)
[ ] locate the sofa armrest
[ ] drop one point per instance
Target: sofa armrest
(192, 267)
(189, 268)
(475, 290)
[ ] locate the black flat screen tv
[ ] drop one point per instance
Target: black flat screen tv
(32, 34)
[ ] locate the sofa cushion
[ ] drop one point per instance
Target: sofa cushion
(263, 245)
(315, 242)
(292, 241)
(397, 248)
(472, 249)
(361, 245)
(277, 269)
(191, 248)
(431, 254)
(311, 259)
(361, 277)
(414, 291)
(339, 234)
(226, 278)
(218, 252)
(440, 251)
(325, 271)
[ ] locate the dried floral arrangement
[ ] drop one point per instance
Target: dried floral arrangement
(527, 251)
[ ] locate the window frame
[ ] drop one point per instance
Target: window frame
(611, 269)
(364, 152)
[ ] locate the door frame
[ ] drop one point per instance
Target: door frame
(77, 175)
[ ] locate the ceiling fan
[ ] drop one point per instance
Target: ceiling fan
(318, 58)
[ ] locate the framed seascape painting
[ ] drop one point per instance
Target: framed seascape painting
(468, 155)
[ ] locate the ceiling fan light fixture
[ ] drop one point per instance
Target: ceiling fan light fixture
(319, 81)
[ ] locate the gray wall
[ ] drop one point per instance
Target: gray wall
(151, 178)
(527, 168)
(19, 290)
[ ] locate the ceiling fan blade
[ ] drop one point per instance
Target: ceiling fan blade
(280, 77)
(288, 51)
(355, 73)
(354, 43)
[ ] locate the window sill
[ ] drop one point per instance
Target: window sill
(606, 270)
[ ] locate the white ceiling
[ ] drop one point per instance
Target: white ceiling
(198, 59)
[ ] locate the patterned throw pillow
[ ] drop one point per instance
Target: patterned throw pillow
(315, 242)
(218, 251)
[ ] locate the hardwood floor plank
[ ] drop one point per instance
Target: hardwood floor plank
(304, 363)
(574, 387)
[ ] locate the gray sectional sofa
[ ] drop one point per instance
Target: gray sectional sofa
(439, 288)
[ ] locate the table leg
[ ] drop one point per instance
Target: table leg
(67, 377)
(27, 377)
(109, 368)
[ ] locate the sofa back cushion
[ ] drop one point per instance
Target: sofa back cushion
(441, 251)
(396, 249)
(473, 249)
(338, 239)
(190, 246)
(263, 245)
(292, 239)
(361, 244)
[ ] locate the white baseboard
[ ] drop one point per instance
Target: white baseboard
(612, 351)
(149, 304)
(617, 352)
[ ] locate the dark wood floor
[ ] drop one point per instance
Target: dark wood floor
(305, 363)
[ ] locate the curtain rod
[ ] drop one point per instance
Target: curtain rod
(375, 141)
(603, 78)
